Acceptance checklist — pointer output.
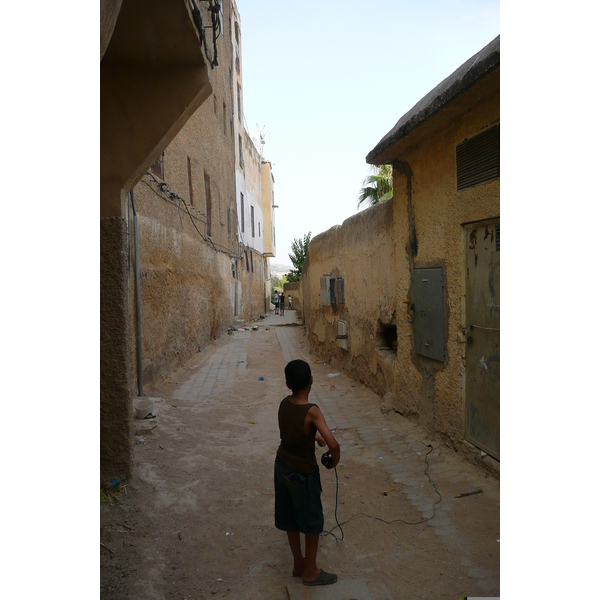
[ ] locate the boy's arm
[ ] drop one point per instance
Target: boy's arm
(316, 416)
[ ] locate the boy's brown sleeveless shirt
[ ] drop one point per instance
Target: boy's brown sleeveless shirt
(296, 449)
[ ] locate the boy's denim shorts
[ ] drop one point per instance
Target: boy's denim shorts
(297, 500)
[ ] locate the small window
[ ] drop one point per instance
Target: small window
(158, 167)
(228, 222)
(259, 229)
(241, 152)
(242, 206)
(239, 99)
(252, 219)
(224, 119)
(208, 204)
(190, 186)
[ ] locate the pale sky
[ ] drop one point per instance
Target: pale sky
(327, 80)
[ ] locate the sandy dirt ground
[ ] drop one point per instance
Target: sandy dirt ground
(195, 520)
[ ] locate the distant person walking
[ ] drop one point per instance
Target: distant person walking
(282, 303)
(290, 302)
(276, 302)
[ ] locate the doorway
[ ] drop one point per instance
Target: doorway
(482, 297)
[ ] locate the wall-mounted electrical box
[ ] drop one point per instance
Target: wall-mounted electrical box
(342, 335)
(325, 294)
(341, 291)
(428, 313)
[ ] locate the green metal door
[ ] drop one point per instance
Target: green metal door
(483, 337)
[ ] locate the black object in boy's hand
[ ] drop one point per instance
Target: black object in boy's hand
(327, 460)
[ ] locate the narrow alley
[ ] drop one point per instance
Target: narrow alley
(195, 520)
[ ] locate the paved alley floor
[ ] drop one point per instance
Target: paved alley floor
(196, 518)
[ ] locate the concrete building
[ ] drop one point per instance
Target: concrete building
(268, 206)
(406, 294)
(182, 255)
(148, 89)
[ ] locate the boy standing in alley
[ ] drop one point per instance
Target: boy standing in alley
(298, 507)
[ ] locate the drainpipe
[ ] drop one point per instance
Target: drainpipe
(412, 247)
(138, 308)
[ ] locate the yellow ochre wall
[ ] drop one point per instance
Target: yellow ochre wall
(188, 288)
(430, 389)
(372, 251)
(361, 251)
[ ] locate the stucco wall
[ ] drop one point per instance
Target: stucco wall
(361, 251)
(292, 289)
(194, 283)
(376, 251)
(436, 212)
(116, 383)
(144, 103)
(186, 287)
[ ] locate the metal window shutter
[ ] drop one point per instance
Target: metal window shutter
(478, 159)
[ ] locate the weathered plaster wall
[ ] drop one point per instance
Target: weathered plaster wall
(149, 88)
(194, 278)
(376, 251)
(116, 383)
(187, 289)
(254, 289)
(361, 251)
(428, 231)
(292, 289)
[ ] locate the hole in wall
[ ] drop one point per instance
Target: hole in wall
(386, 336)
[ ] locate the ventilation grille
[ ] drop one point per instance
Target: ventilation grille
(498, 238)
(478, 159)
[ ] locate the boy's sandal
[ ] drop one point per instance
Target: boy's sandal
(324, 578)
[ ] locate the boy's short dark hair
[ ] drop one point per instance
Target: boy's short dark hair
(297, 375)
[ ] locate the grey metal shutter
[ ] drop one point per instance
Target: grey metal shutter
(478, 159)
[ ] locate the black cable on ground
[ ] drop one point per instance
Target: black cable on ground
(337, 487)
(330, 532)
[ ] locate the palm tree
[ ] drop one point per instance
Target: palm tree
(378, 186)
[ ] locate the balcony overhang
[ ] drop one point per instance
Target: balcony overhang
(153, 77)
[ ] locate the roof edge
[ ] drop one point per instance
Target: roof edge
(471, 71)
